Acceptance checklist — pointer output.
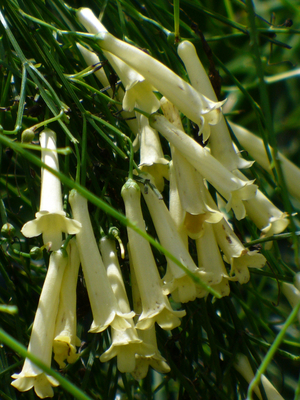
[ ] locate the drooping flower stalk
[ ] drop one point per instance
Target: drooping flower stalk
(51, 220)
(126, 344)
(175, 89)
(42, 333)
(228, 185)
(156, 306)
(65, 338)
(220, 140)
(103, 302)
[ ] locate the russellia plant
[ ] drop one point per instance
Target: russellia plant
(212, 240)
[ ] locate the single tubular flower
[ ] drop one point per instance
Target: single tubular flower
(151, 155)
(125, 344)
(65, 338)
(103, 302)
(211, 264)
(156, 306)
(174, 88)
(42, 333)
(228, 185)
(292, 294)
(176, 281)
(51, 220)
(153, 358)
(220, 140)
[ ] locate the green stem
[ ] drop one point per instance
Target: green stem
(176, 19)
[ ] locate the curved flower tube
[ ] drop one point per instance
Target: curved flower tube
(126, 345)
(103, 302)
(175, 89)
(228, 185)
(151, 155)
(51, 220)
(220, 140)
(156, 306)
(65, 339)
(42, 333)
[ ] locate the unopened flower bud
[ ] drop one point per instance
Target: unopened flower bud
(27, 136)
(36, 253)
(8, 231)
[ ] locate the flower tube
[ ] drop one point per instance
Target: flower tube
(211, 264)
(125, 344)
(153, 358)
(220, 140)
(292, 294)
(51, 220)
(156, 306)
(175, 89)
(103, 302)
(255, 147)
(151, 155)
(42, 333)
(176, 281)
(65, 338)
(228, 185)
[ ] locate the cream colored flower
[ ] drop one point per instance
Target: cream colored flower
(151, 155)
(156, 306)
(51, 220)
(103, 302)
(228, 185)
(153, 359)
(127, 344)
(292, 294)
(184, 96)
(42, 333)
(220, 140)
(211, 264)
(65, 338)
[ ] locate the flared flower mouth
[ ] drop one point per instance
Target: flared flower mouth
(41, 383)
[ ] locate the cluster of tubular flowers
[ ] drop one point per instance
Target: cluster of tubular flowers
(190, 215)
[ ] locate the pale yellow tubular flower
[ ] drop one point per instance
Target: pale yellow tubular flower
(125, 344)
(151, 155)
(211, 264)
(65, 338)
(191, 103)
(154, 358)
(292, 294)
(228, 185)
(42, 333)
(92, 59)
(103, 302)
(176, 281)
(220, 140)
(242, 365)
(255, 147)
(156, 306)
(190, 184)
(265, 215)
(51, 220)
